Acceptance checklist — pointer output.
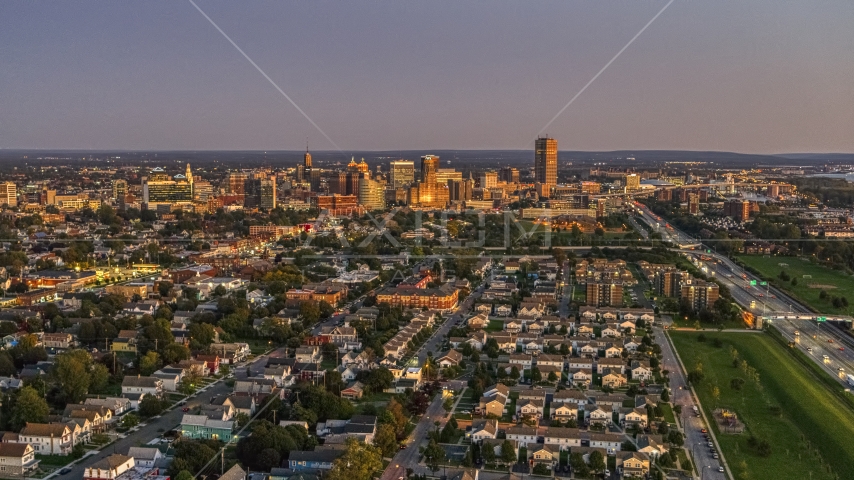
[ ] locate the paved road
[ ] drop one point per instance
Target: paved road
(155, 427)
(681, 395)
(434, 343)
(408, 458)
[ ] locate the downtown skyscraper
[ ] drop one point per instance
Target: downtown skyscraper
(545, 161)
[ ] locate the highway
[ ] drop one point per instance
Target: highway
(816, 340)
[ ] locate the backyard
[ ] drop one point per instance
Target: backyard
(811, 280)
(807, 428)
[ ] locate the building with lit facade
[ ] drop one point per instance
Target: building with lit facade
(161, 189)
(545, 161)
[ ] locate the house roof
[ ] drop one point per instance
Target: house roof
(14, 449)
(45, 429)
(113, 461)
(234, 473)
(144, 453)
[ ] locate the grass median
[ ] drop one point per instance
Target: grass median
(811, 280)
(808, 428)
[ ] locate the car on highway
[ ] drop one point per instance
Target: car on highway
(841, 349)
(703, 430)
(829, 340)
(809, 349)
(64, 471)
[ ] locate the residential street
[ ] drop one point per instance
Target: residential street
(156, 426)
(408, 458)
(681, 395)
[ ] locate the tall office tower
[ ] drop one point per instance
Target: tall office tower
(401, 173)
(467, 189)
(693, 204)
(120, 192)
(545, 161)
(509, 175)
(488, 180)
(306, 159)
(161, 189)
(235, 183)
(9, 194)
(313, 175)
(260, 193)
(371, 194)
(632, 182)
(429, 168)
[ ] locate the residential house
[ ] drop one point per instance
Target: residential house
(144, 457)
(598, 414)
(563, 412)
(570, 396)
(611, 365)
(544, 454)
(530, 408)
(614, 380)
(611, 442)
(17, 459)
(125, 342)
(641, 371)
(110, 468)
(318, 459)
(310, 354)
(202, 427)
(58, 341)
(523, 360)
(564, 438)
(144, 385)
(478, 322)
(233, 473)
(503, 310)
(633, 464)
(353, 391)
(452, 358)
(576, 363)
(636, 416)
(47, 438)
(522, 435)
(652, 445)
(581, 377)
(482, 429)
(117, 405)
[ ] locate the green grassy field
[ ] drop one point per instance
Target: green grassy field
(834, 282)
(814, 430)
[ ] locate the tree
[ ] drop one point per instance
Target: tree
(149, 363)
(665, 395)
(508, 453)
(30, 407)
(536, 376)
(72, 374)
(7, 365)
(99, 376)
(189, 382)
(597, 461)
(434, 454)
(716, 394)
(184, 475)
(386, 440)
(488, 453)
(310, 312)
(359, 462)
(130, 420)
(150, 406)
(174, 353)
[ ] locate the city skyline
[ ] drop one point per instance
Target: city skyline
(753, 78)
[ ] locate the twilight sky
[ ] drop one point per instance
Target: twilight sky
(753, 76)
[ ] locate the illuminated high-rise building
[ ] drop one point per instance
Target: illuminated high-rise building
(235, 183)
(120, 192)
(443, 175)
(261, 193)
(9, 194)
(632, 182)
(545, 161)
(488, 180)
(401, 173)
(509, 175)
(371, 194)
(306, 159)
(161, 189)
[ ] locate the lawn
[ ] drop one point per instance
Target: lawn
(495, 325)
(811, 434)
(834, 282)
(667, 411)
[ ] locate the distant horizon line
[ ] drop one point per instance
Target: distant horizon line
(301, 151)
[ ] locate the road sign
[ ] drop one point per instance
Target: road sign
(763, 283)
(820, 319)
(753, 283)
